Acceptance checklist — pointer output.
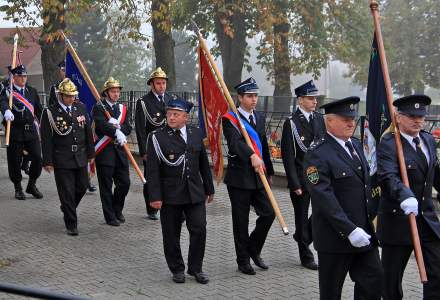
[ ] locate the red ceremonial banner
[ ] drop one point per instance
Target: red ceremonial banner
(214, 106)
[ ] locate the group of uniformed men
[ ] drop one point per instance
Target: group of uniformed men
(324, 165)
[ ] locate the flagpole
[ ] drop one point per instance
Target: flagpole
(374, 6)
(231, 103)
(98, 100)
(13, 65)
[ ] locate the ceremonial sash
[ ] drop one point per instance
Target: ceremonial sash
(20, 98)
(253, 134)
(105, 140)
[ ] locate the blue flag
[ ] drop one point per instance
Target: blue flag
(378, 114)
(377, 121)
(85, 92)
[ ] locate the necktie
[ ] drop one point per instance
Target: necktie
(22, 92)
(179, 134)
(310, 118)
(160, 98)
(354, 154)
(68, 110)
(419, 150)
(115, 109)
(251, 121)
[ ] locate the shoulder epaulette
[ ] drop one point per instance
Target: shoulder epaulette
(316, 144)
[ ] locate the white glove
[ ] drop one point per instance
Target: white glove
(114, 122)
(9, 116)
(120, 137)
(410, 205)
(359, 238)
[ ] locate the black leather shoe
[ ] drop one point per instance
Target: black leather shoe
(200, 277)
(19, 195)
(259, 262)
(91, 188)
(32, 189)
(72, 231)
(153, 216)
(113, 223)
(121, 218)
(179, 277)
(311, 265)
(246, 269)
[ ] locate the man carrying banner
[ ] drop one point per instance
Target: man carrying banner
(67, 144)
(337, 177)
(244, 185)
(24, 115)
(179, 181)
(151, 115)
(111, 160)
(300, 130)
(419, 150)
(53, 98)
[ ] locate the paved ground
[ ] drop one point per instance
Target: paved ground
(127, 262)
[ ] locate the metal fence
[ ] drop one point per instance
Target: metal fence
(266, 104)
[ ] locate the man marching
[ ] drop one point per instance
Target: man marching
(111, 159)
(244, 185)
(337, 176)
(398, 201)
(151, 115)
(24, 115)
(304, 127)
(179, 181)
(67, 144)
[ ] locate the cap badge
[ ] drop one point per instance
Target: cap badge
(417, 105)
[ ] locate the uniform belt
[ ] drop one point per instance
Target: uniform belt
(74, 148)
(27, 127)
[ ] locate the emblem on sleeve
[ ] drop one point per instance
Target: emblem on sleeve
(312, 174)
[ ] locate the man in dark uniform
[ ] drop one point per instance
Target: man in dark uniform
(53, 98)
(244, 185)
(24, 115)
(179, 181)
(67, 143)
(304, 127)
(111, 159)
(337, 176)
(151, 115)
(398, 201)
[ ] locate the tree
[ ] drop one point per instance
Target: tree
(163, 40)
(186, 62)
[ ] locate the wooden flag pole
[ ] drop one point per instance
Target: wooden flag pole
(374, 6)
(231, 103)
(11, 87)
(98, 100)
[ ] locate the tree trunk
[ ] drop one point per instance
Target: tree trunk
(231, 36)
(282, 92)
(51, 41)
(162, 39)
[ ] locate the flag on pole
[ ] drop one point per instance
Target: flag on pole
(85, 91)
(377, 118)
(212, 106)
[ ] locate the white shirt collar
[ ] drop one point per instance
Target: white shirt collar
(410, 138)
(305, 113)
(341, 142)
(157, 95)
(110, 103)
(19, 88)
(247, 114)
(65, 106)
(183, 133)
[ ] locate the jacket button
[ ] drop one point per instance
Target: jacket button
(343, 173)
(394, 210)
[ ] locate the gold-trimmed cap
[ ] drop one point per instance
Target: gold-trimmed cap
(158, 73)
(111, 83)
(67, 87)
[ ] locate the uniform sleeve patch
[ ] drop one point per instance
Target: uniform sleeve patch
(312, 174)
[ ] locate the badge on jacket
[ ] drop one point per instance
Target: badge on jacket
(312, 174)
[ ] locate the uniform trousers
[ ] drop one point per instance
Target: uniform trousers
(150, 210)
(303, 225)
(14, 154)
